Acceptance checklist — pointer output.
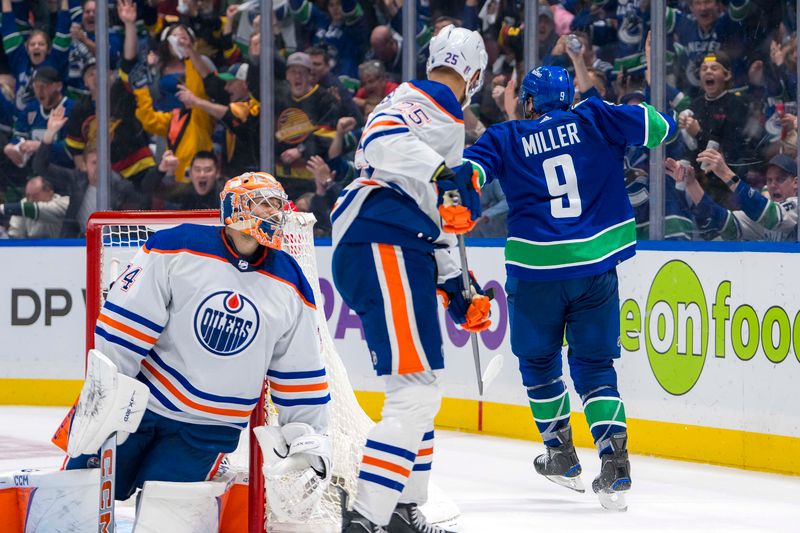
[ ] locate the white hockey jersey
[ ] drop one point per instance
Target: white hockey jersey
(415, 129)
(202, 327)
(777, 222)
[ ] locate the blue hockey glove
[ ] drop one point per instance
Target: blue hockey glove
(471, 314)
(459, 197)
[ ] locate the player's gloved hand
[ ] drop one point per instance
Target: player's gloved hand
(472, 313)
(459, 197)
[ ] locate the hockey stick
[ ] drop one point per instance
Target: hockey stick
(492, 370)
(473, 337)
(496, 364)
(108, 467)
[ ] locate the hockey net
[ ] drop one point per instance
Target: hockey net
(112, 240)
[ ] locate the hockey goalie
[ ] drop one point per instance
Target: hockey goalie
(195, 322)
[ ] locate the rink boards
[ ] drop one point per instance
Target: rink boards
(710, 341)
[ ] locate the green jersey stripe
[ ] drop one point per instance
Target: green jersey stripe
(61, 41)
(604, 410)
(551, 409)
(303, 13)
(30, 209)
(770, 217)
(655, 126)
(731, 230)
(575, 252)
(353, 16)
(12, 42)
(481, 172)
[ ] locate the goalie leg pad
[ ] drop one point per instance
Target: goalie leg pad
(36, 500)
(163, 449)
(181, 507)
(109, 402)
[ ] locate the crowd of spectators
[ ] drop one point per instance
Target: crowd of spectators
(185, 108)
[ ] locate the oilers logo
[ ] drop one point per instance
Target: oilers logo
(226, 323)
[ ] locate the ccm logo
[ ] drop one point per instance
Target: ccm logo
(106, 491)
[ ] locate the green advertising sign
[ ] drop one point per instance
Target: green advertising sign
(677, 323)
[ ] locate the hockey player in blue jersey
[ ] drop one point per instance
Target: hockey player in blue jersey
(394, 246)
(569, 225)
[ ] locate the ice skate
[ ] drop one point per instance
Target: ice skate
(560, 463)
(615, 475)
(355, 522)
(407, 518)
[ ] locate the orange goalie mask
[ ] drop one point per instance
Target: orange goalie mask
(256, 205)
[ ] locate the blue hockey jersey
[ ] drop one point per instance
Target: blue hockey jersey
(569, 214)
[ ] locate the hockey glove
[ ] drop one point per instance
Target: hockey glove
(459, 197)
(471, 314)
(140, 76)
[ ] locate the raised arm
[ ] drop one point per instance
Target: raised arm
(189, 99)
(126, 10)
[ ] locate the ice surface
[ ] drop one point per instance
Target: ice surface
(493, 482)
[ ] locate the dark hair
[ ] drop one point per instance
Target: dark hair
(446, 18)
(204, 154)
(41, 32)
(163, 50)
(319, 51)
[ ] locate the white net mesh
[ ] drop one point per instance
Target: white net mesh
(349, 423)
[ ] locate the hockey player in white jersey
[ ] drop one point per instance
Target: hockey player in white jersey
(393, 233)
(200, 316)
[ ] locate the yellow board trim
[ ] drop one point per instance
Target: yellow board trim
(726, 447)
(39, 391)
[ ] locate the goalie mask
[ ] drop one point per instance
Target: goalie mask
(256, 205)
(463, 51)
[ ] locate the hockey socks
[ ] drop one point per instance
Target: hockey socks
(387, 463)
(550, 407)
(416, 490)
(605, 414)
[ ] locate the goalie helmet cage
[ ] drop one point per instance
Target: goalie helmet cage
(112, 238)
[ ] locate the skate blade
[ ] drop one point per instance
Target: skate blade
(613, 501)
(574, 483)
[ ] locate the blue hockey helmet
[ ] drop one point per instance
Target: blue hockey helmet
(550, 87)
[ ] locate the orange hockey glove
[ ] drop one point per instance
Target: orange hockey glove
(471, 314)
(459, 198)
